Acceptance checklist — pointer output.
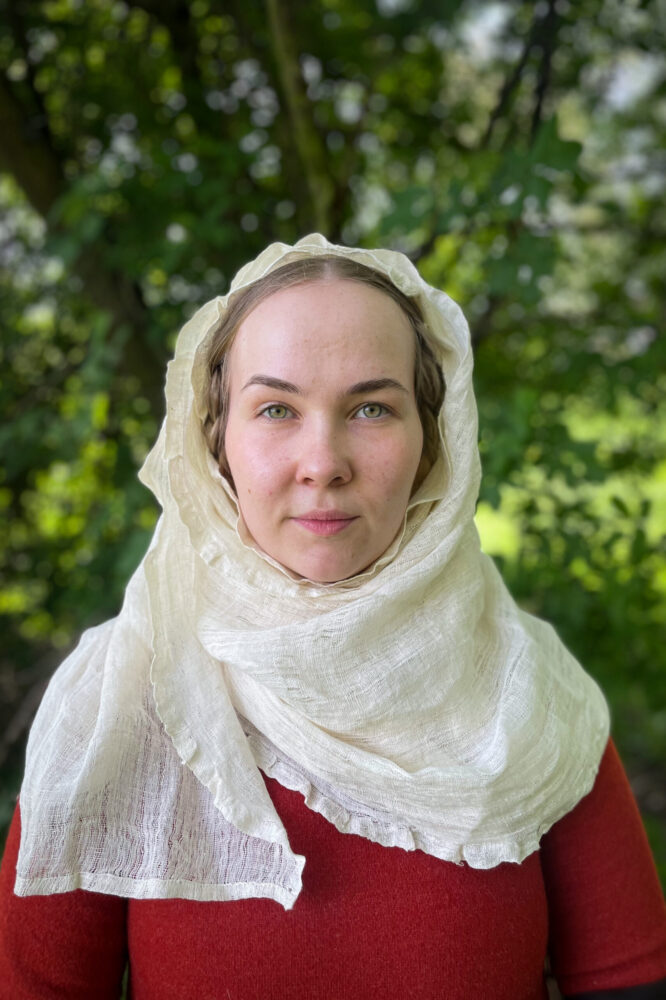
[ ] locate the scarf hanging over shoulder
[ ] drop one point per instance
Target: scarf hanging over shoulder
(414, 704)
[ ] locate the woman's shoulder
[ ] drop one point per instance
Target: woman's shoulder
(606, 908)
(54, 944)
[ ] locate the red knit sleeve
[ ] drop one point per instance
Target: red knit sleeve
(72, 944)
(606, 908)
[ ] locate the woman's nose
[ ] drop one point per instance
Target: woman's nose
(323, 459)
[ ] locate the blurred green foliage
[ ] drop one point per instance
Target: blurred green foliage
(514, 150)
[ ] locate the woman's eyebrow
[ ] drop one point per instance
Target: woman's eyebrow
(374, 385)
(357, 389)
(273, 383)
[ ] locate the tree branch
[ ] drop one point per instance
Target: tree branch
(307, 140)
(40, 120)
(27, 153)
(177, 19)
(510, 84)
(549, 35)
(483, 326)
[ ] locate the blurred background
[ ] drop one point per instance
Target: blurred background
(514, 150)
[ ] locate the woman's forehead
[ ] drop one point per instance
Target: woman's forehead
(332, 321)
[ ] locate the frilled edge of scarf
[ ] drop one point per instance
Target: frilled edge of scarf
(482, 854)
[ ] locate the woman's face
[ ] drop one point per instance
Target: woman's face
(323, 438)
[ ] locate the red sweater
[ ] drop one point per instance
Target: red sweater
(371, 922)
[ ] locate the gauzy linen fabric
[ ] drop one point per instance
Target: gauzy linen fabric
(414, 704)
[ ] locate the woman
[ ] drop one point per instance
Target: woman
(314, 620)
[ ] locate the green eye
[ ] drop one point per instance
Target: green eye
(276, 412)
(371, 411)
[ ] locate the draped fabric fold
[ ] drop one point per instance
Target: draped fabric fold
(414, 704)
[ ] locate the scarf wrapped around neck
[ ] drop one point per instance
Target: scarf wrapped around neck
(414, 704)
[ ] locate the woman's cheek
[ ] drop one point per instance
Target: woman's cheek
(267, 463)
(398, 461)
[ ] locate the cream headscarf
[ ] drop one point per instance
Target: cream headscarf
(414, 704)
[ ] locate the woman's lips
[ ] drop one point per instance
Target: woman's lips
(329, 522)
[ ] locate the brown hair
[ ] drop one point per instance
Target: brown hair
(428, 379)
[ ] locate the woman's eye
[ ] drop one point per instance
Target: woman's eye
(371, 411)
(276, 411)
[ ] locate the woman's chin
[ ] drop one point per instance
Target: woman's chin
(324, 571)
(329, 567)
(321, 563)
